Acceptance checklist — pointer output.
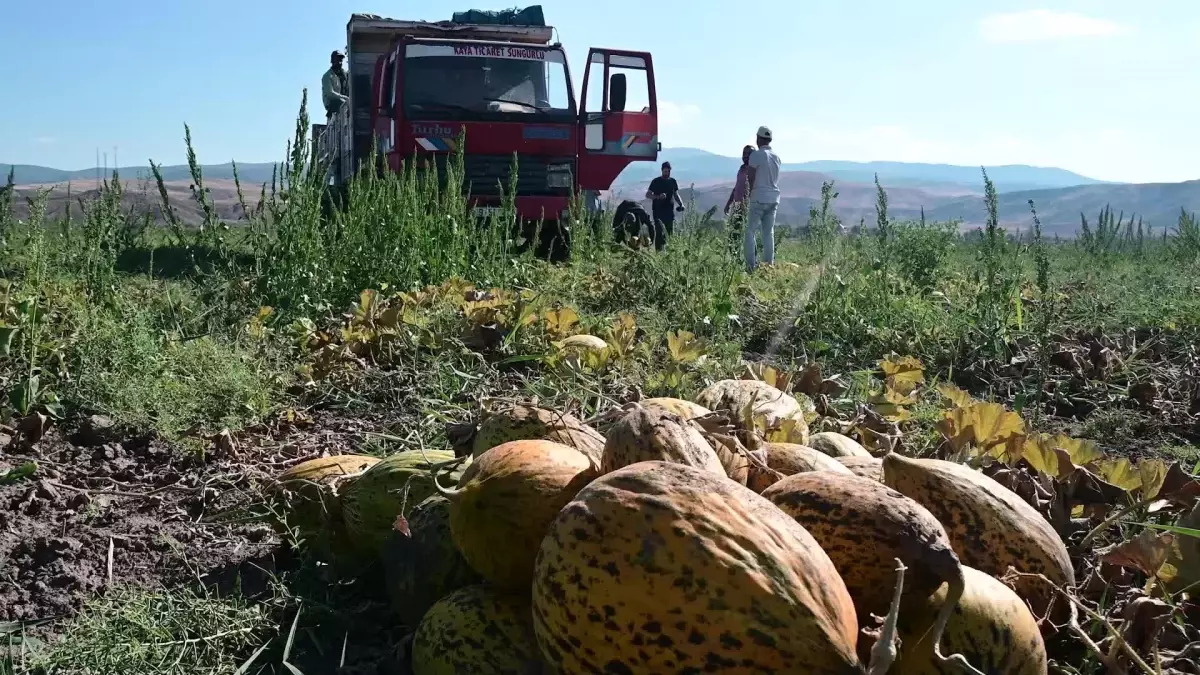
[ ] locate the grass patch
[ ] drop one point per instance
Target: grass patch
(138, 631)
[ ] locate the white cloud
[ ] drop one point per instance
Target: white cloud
(45, 140)
(1045, 24)
(671, 114)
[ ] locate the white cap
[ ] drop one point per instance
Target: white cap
(764, 132)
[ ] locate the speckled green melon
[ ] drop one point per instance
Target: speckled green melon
(990, 626)
(778, 409)
(659, 567)
(391, 488)
(681, 407)
(504, 502)
(788, 459)
(423, 565)
(836, 445)
(478, 630)
(645, 434)
(864, 526)
(309, 496)
(867, 467)
(990, 526)
(522, 422)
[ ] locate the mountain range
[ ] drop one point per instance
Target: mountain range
(940, 191)
(692, 164)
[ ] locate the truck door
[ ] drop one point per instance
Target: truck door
(385, 113)
(618, 116)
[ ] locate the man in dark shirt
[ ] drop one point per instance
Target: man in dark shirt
(664, 194)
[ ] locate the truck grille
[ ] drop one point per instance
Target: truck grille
(490, 175)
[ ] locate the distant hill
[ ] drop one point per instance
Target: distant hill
(708, 179)
(1157, 204)
(26, 174)
(689, 165)
(1059, 209)
(692, 164)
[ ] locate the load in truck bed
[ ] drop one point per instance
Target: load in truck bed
(373, 24)
(530, 16)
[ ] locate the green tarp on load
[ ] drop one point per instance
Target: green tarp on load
(530, 16)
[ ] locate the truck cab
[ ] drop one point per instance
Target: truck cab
(416, 86)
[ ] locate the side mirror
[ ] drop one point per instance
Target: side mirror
(616, 92)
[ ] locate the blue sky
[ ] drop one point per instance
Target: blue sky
(1109, 89)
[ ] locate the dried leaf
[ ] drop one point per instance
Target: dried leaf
(1184, 557)
(1146, 552)
(1144, 619)
(1179, 486)
(809, 381)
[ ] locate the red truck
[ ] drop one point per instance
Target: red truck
(415, 85)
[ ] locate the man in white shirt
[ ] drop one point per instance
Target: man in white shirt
(764, 200)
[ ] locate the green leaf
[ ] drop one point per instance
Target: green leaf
(1174, 529)
(7, 333)
(23, 396)
(18, 473)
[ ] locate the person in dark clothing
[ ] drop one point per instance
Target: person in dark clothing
(628, 221)
(664, 193)
(334, 87)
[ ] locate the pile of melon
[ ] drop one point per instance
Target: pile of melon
(669, 536)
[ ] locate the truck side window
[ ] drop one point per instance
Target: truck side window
(387, 90)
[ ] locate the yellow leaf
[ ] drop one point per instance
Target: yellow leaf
(904, 369)
(621, 335)
(1081, 452)
(1153, 473)
(684, 346)
(1039, 452)
(1058, 456)
(561, 321)
(957, 397)
(1121, 473)
(893, 397)
(986, 426)
(769, 374)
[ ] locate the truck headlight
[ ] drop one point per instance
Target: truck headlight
(558, 176)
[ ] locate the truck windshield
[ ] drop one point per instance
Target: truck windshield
(458, 80)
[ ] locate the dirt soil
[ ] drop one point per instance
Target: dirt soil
(102, 511)
(105, 508)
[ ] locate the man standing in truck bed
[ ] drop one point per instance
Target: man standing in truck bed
(334, 92)
(664, 196)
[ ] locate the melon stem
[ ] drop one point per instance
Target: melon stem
(954, 592)
(436, 469)
(883, 652)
